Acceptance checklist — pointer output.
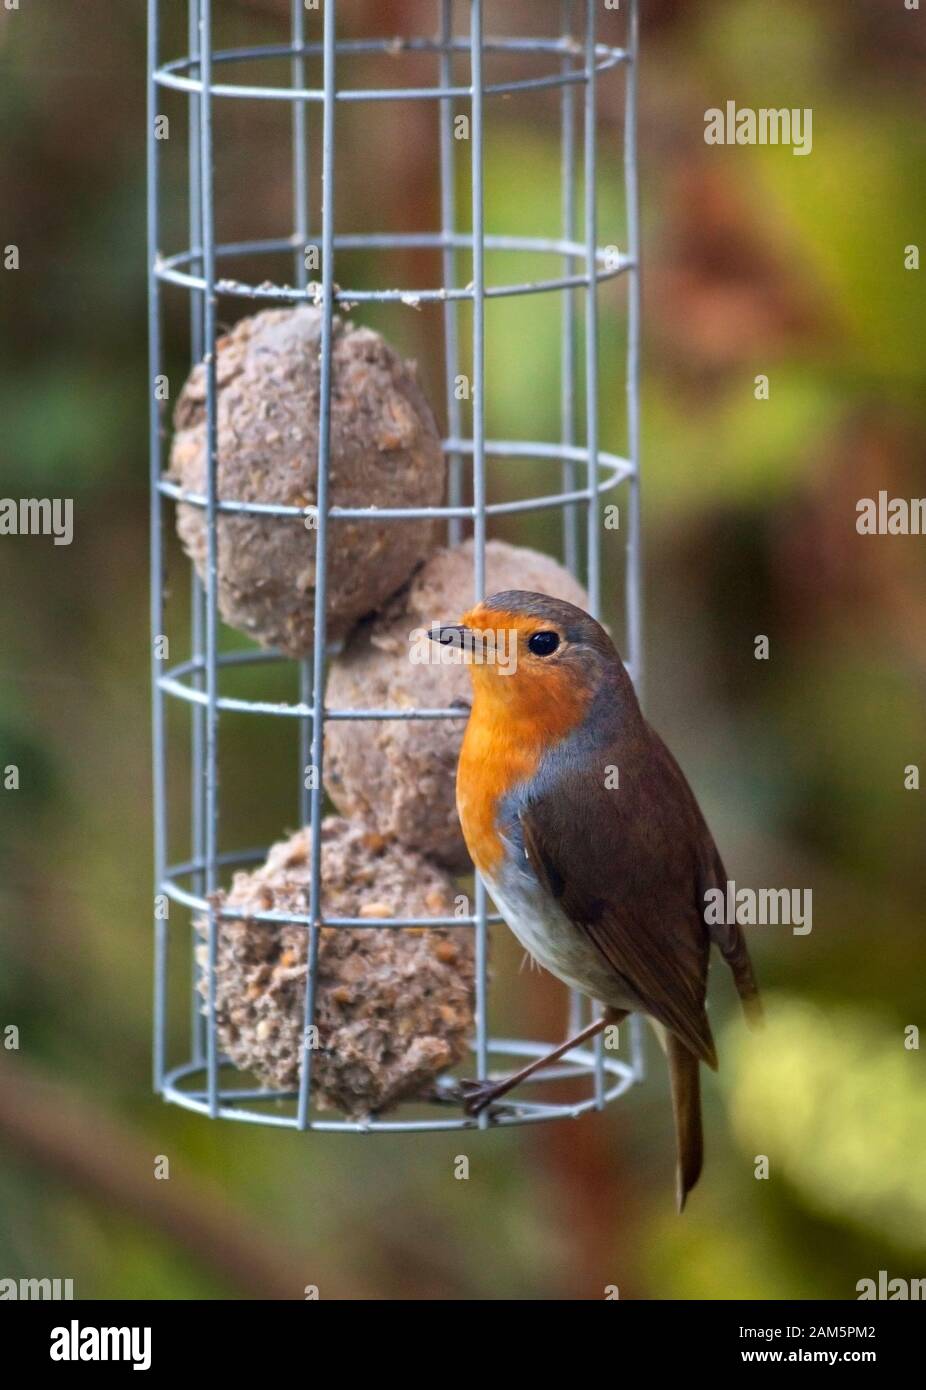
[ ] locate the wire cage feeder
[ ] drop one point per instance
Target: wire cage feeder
(574, 64)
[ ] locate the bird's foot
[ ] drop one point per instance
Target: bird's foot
(476, 1096)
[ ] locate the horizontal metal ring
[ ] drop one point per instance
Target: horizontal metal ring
(613, 469)
(173, 890)
(174, 686)
(173, 683)
(171, 74)
(168, 269)
(510, 1112)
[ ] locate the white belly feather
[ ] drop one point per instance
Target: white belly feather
(545, 931)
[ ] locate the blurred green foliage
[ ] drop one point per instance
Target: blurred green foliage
(843, 1108)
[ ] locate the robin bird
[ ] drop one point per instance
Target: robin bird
(590, 840)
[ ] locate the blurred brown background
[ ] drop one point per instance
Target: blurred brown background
(755, 262)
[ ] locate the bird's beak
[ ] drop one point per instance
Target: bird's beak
(452, 635)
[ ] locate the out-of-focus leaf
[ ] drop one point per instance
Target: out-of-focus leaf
(838, 1104)
(736, 449)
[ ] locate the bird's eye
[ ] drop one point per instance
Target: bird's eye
(543, 643)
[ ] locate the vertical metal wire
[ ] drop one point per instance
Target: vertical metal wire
(157, 558)
(321, 552)
(212, 714)
(631, 187)
(477, 386)
(634, 556)
(195, 219)
(477, 393)
(197, 593)
(448, 202)
(300, 146)
(567, 356)
(300, 176)
(593, 541)
(477, 390)
(568, 306)
(593, 555)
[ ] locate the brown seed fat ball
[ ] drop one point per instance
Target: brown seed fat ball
(399, 776)
(385, 452)
(394, 1006)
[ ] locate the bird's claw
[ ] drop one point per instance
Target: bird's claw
(476, 1096)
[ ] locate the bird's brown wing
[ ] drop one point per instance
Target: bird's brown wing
(727, 936)
(624, 872)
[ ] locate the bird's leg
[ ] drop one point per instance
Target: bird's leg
(485, 1092)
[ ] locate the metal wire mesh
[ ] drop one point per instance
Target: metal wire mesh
(204, 1081)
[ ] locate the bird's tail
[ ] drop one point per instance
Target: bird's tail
(685, 1078)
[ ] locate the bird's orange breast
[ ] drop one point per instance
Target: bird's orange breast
(513, 723)
(491, 763)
